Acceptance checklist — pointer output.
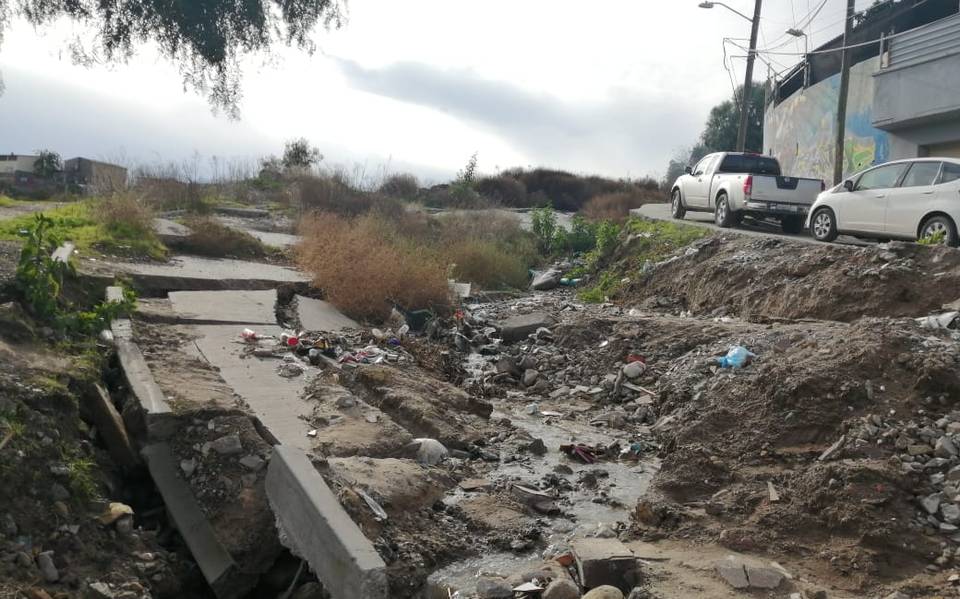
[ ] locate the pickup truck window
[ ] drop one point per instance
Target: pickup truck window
(754, 165)
(703, 165)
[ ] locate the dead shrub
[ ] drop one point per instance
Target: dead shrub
(334, 195)
(617, 206)
(210, 237)
(504, 190)
(125, 214)
(401, 185)
(365, 267)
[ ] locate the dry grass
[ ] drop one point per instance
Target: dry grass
(365, 269)
(335, 195)
(210, 237)
(401, 185)
(617, 206)
(486, 263)
(125, 214)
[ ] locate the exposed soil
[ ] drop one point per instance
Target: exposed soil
(768, 277)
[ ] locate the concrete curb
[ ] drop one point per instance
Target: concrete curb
(214, 560)
(315, 526)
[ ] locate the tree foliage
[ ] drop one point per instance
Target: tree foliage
(299, 154)
(720, 132)
(47, 164)
(205, 38)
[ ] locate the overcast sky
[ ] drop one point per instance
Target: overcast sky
(611, 87)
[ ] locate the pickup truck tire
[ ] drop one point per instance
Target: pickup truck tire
(791, 224)
(823, 225)
(676, 205)
(937, 223)
(722, 215)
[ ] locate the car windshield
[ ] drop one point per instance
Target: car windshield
(749, 163)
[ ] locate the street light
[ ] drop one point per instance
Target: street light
(712, 4)
(748, 77)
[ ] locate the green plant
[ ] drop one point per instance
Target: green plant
(39, 280)
(607, 234)
(544, 226)
(80, 474)
(582, 236)
(606, 286)
(935, 238)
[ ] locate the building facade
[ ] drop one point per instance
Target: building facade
(904, 98)
(95, 175)
(12, 163)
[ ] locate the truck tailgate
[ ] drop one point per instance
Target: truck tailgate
(785, 190)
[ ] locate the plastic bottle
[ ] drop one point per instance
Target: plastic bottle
(737, 357)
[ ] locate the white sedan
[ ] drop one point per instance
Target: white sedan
(906, 199)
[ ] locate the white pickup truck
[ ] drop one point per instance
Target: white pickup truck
(732, 185)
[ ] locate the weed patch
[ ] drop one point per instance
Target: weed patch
(210, 237)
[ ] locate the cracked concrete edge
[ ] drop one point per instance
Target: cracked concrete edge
(315, 526)
(153, 414)
(215, 562)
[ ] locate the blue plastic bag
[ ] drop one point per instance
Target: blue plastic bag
(737, 357)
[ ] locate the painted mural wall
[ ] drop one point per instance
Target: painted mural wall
(800, 131)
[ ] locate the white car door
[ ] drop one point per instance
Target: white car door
(699, 185)
(864, 209)
(913, 199)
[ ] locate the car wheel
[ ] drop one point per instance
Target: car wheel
(791, 224)
(823, 225)
(722, 215)
(940, 226)
(676, 205)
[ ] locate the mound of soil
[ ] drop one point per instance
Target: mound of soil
(758, 278)
(747, 458)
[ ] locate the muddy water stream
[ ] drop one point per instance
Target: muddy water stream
(622, 481)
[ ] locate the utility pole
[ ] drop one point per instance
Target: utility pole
(845, 58)
(748, 79)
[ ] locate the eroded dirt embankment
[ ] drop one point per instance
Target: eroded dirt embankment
(769, 277)
(837, 446)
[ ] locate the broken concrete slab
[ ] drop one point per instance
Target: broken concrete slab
(605, 562)
(315, 526)
(241, 307)
(192, 273)
(170, 232)
(318, 315)
(100, 409)
(517, 328)
(275, 400)
(215, 562)
(763, 577)
(733, 572)
(151, 415)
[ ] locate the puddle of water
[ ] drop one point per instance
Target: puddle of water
(462, 576)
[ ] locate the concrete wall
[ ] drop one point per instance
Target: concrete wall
(101, 175)
(11, 163)
(800, 131)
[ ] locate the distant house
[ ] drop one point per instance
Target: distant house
(10, 164)
(93, 174)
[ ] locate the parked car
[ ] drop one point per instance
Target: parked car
(906, 199)
(732, 185)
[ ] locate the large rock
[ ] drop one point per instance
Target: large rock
(562, 589)
(494, 588)
(546, 280)
(945, 448)
(518, 327)
(764, 577)
(733, 572)
(604, 592)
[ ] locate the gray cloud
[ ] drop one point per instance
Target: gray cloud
(626, 134)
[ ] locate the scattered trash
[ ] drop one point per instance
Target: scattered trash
(290, 370)
(106, 335)
(430, 452)
(528, 587)
(312, 433)
(249, 335)
(114, 512)
(373, 505)
(772, 493)
(737, 357)
(947, 320)
(533, 409)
